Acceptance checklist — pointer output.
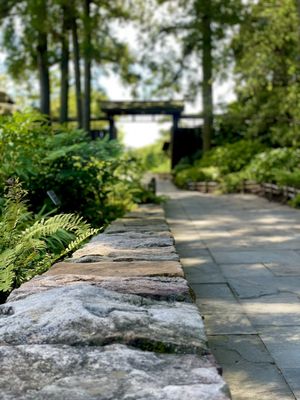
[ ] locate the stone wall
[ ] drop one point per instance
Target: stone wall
(116, 321)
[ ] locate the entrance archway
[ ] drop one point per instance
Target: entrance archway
(182, 141)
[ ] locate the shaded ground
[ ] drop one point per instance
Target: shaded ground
(241, 254)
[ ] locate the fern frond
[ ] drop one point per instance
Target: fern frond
(76, 243)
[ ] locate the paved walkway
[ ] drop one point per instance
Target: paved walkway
(241, 254)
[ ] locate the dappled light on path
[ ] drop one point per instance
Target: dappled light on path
(241, 255)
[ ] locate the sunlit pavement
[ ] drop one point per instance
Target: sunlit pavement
(241, 255)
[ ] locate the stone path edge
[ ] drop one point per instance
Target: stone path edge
(122, 300)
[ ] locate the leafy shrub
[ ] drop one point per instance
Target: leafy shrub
(93, 177)
(232, 183)
(267, 166)
(231, 157)
(153, 158)
(287, 178)
(295, 202)
(196, 174)
(218, 163)
(29, 244)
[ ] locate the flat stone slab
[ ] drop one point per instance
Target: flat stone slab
(152, 220)
(232, 349)
(282, 309)
(111, 373)
(141, 213)
(118, 227)
(116, 242)
(248, 368)
(284, 269)
(226, 323)
(150, 254)
(284, 345)
(88, 315)
(250, 280)
(204, 273)
(158, 288)
(292, 376)
(118, 269)
(144, 235)
(257, 256)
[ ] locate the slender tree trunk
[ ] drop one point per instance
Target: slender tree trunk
(43, 71)
(298, 10)
(64, 69)
(76, 56)
(298, 58)
(87, 68)
(207, 69)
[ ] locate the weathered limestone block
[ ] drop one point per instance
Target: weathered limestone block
(119, 269)
(142, 213)
(160, 288)
(128, 242)
(111, 373)
(143, 221)
(88, 315)
(141, 235)
(148, 254)
(119, 227)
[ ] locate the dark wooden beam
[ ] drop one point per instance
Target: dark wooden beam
(112, 129)
(174, 131)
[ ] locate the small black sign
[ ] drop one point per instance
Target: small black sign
(55, 200)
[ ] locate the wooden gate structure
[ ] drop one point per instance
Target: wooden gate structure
(179, 146)
(7, 105)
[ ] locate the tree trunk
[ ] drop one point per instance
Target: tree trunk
(64, 69)
(298, 58)
(87, 68)
(207, 69)
(76, 56)
(43, 70)
(298, 10)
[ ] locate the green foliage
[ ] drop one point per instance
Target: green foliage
(28, 244)
(219, 164)
(288, 178)
(244, 160)
(24, 21)
(266, 50)
(231, 157)
(153, 158)
(196, 174)
(295, 202)
(168, 67)
(232, 183)
(268, 165)
(92, 177)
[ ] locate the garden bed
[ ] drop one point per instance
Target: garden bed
(269, 190)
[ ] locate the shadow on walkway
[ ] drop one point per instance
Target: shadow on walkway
(241, 255)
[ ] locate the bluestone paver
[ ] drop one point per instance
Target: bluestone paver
(241, 255)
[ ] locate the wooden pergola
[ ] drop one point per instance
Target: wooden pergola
(116, 108)
(112, 109)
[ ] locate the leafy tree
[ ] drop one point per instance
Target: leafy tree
(199, 27)
(37, 37)
(266, 49)
(26, 41)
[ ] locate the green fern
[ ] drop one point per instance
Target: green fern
(28, 246)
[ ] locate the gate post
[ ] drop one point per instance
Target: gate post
(112, 128)
(174, 132)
